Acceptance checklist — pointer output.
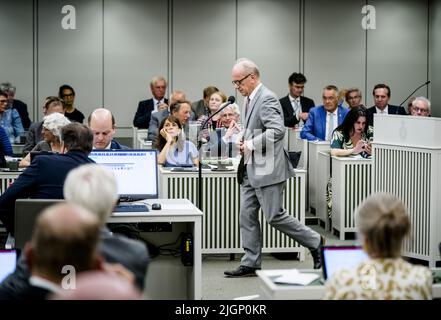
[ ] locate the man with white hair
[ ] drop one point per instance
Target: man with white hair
(263, 171)
(421, 107)
(102, 123)
(222, 140)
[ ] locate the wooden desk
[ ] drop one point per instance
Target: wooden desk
(167, 278)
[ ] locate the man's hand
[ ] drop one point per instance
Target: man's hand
(303, 116)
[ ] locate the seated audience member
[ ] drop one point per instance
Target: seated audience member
(421, 107)
(16, 104)
(382, 95)
(383, 224)
(10, 119)
(200, 107)
(44, 177)
(182, 111)
(409, 105)
(157, 117)
(222, 141)
(158, 87)
(322, 120)
(295, 106)
(67, 93)
(353, 136)
(64, 235)
(173, 149)
(353, 97)
(115, 249)
(98, 285)
(51, 104)
(5, 147)
(102, 123)
(52, 125)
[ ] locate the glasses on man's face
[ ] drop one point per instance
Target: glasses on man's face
(69, 95)
(4, 101)
(239, 82)
(416, 109)
(353, 97)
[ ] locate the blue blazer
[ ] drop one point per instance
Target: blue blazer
(43, 179)
(315, 127)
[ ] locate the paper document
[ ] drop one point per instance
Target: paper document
(177, 207)
(294, 276)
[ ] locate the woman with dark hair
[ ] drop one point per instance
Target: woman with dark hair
(353, 136)
(174, 151)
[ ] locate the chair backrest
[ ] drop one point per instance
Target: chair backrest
(26, 212)
(139, 138)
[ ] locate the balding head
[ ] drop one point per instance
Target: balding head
(177, 96)
(64, 234)
(102, 124)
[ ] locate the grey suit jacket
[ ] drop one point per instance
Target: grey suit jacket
(269, 161)
(155, 120)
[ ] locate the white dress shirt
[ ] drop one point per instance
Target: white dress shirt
(384, 111)
(335, 124)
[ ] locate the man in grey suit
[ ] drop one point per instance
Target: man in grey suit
(263, 171)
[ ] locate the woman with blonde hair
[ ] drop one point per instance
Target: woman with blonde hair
(383, 224)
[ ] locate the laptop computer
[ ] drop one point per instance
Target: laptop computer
(26, 212)
(335, 258)
(8, 262)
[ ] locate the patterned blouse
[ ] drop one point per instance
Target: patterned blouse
(339, 141)
(381, 279)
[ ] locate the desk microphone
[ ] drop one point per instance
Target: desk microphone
(424, 84)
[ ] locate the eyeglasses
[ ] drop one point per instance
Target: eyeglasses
(416, 109)
(353, 97)
(239, 82)
(4, 101)
(67, 95)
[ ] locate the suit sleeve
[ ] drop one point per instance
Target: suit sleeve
(30, 140)
(142, 117)
(5, 143)
(153, 128)
(20, 188)
(308, 128)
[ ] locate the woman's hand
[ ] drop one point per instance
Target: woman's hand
(359, 147)
(166, 135)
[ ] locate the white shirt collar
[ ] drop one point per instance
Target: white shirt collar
(385, 109)
(39, 282)
(253, 94)
(334, 112)
(294, 99)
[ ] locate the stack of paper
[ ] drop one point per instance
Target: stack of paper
(294, 276)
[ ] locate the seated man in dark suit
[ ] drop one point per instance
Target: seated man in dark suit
(200, 107)
(102, 123)
(51, 104)
(295, 106)
(79, 185)
(158, 86)
(65, 235)
(44, 178)
(18, 105)
(381, 94)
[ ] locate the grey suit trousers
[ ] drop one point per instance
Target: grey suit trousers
(270, 200)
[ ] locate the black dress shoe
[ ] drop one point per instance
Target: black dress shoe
(317, 255)
(242, 271)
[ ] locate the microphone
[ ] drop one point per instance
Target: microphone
(424, 84)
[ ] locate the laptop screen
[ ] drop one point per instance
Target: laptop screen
(337, 257)
(136, 171)
(8, 261)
